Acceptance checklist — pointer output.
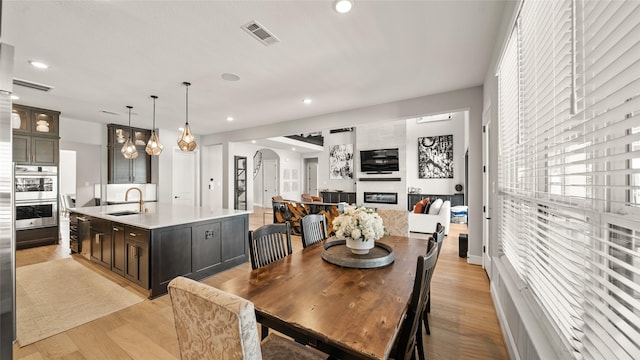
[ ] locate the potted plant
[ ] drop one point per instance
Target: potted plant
(360, 227)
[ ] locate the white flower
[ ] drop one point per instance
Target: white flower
(360, 223)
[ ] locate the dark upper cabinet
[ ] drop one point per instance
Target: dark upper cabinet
(35, 136)
(120, 169)
(34, 121)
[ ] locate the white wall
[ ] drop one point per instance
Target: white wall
(67, 172)
(211, 180)
(456, 127)
(88, 140)
(324, 179)
(384, 135)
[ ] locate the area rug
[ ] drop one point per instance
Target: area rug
(55, 296)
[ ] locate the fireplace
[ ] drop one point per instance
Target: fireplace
(381, 197)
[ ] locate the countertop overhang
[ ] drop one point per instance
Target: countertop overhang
(159, 215)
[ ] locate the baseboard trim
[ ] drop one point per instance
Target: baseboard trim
(474, 259)
(512, 347)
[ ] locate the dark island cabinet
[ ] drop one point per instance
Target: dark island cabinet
(136, 246)
(101, 241)
(197, 250)
(152, 258)
(117, 240)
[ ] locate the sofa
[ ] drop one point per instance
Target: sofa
(426, 223)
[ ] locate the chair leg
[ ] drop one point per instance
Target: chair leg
(425, 320)
(419, 343)
(429, 302)
(264, 332)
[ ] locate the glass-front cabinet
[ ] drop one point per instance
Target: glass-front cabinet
(35, 135)
(128, 171)
(240, 183)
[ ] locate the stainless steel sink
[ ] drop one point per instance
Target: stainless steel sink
(123, 213)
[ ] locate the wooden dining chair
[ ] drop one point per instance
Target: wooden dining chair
(213, 324)
(269, 243)
(314, 229)
(438, 236)
(409, 340)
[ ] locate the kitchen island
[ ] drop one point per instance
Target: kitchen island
(152, 247)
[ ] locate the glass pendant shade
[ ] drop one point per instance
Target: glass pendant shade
(154, 147)
(129, 150)
(186, 140)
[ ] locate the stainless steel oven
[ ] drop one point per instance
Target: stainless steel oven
(36, 182)
(36, 214)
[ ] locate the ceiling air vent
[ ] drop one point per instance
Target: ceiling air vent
(259, 32)
(32, 85)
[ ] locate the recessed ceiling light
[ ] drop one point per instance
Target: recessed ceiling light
(230, 77)
(15, 97)
(180, 128)
(294, 149)
(343, 6)
(307, 101)
(38, 64)
(229, 118)
(253, 141)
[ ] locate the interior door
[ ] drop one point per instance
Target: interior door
(312, 176)
(270, 180)
(184, 177)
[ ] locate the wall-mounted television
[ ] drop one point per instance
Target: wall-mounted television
(379, 160)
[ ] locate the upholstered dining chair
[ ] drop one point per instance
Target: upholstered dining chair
(396, 222)
(409, 340)
(314, 229)
(269, 243)
(438, 237)
(214, 324)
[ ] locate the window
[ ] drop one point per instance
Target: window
(569, 169)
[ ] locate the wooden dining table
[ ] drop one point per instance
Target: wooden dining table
(347, 313)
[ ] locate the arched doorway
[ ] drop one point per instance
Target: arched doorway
(266, 176)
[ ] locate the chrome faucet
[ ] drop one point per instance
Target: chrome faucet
(126, 195)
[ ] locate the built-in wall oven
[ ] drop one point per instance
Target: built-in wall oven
(36, 196)
(36, 214)
(36, 182)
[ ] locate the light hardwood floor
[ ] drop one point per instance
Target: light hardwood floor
(463, 320)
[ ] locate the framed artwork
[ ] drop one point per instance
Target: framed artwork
(286, 174)
(435, 157)
(341, 162)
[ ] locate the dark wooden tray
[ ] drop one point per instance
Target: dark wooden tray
(337, 252)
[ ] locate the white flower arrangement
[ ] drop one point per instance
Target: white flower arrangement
(360, 223)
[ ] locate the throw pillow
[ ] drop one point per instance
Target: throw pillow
(426, 207)
(418, 207)
(435, 207)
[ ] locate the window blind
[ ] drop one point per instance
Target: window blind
(569, 169)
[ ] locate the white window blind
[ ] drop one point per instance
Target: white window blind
(569, 169)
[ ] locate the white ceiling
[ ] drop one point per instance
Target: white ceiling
(104, 55)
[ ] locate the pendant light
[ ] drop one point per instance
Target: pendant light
(186, 141)
(153, 146)
(129, 150)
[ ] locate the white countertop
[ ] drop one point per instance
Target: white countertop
(159, 215)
